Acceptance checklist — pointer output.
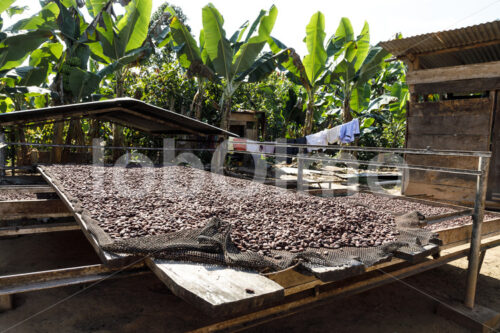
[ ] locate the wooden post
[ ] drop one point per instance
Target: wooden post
(6, 302)
(219, 157)
(280, 150)
(97, 160)
(300, 170)
(168, 151)
(2, 154)
(477, 221)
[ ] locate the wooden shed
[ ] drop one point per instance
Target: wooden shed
(249, 124)
(454, 82)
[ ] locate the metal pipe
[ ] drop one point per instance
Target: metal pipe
(358, 162)
(295, 145)
(477, 221)
(300, 170)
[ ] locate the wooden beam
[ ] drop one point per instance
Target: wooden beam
(460, 86)
(454, 73)
(217, 290)
(29, 209)
(26, 189)
(38, 229)
(22, 180)
(166, 123)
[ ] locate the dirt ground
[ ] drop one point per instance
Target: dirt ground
(144, 304)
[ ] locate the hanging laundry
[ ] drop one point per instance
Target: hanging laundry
(317, 139)
(348, 131)
(267, 149)
(240, 144)
(333, 134)
(253, 146)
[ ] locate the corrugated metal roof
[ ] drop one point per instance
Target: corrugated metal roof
(464, 39)
(128, 112)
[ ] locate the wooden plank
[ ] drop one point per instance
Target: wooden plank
(448, 141)
(414, 257)
(26, 189)
(217, 290)
(494, 172)
(450, 125)
(460, 86)
(458, 194)
(461, 235)
(441, 178)
(454, 73)
(37, 229)
(457, 162)
(456, 107)
(336, 273)
(29, 209)
(22, 180)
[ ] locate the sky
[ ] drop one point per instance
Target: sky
(385, 17)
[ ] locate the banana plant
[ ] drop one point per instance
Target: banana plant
(236, 60)
(119, 41)
(229, 62)
(357, 64)
(344, 60)
(310, 71)
(192, 56)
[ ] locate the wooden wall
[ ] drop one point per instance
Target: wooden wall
(462, 124)
(494, 175)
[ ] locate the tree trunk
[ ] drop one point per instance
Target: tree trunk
(23, 158)
(58, 140)
(197, 104)
(309, 115)
(226, 113)
(75, 132)
(346, 111)
(94, 127)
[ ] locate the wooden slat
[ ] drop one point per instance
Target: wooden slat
(450, 125)
(478, 142)
(457, 162)
(461, 235)
(21, 180)
(26, 189)
(217, 290)
(460, 86)
(415, 257)
(456, 194)
(454, 73)
(457, 107)
(38, 229)
(337, 273)
(29, 209)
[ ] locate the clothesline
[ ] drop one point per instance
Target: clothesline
(344, 133)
